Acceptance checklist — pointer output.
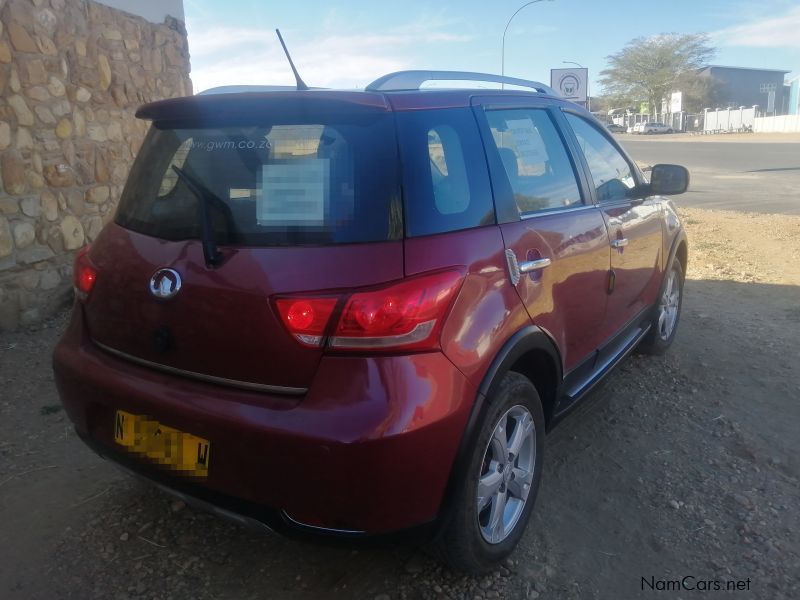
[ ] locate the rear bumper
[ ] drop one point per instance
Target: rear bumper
(368, 449)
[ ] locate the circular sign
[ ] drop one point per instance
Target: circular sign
(569, 85)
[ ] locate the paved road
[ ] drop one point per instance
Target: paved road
(755, 176)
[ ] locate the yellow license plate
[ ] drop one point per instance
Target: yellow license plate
(182, 452)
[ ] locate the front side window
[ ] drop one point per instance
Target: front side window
(612, 174)
(535, 160)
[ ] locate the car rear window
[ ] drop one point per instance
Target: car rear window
(308, 182)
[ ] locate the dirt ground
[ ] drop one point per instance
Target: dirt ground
(685, 465)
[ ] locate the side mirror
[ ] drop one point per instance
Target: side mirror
(668, 180)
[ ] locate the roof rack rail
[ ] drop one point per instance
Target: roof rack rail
(413, 80)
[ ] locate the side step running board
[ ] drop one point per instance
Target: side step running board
(583, 387)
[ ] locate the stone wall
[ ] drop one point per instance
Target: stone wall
(72, 73)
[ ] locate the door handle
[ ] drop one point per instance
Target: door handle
(621, 243)
(534, 265)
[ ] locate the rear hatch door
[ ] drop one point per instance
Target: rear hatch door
(303, 196)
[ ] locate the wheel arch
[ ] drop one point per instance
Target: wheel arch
(682, 253)
(531, 352)
(678, 248)
(534, 354)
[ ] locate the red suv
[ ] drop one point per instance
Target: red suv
(354, 313)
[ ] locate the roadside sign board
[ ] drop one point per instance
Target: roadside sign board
(676, 102)
(570, 83)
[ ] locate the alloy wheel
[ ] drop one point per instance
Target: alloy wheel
(506, 474)
(669, 305)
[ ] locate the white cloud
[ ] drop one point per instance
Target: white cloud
(241, 55)
(774, 32)
(539, 29)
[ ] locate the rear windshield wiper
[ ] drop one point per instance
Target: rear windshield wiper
(211, 252)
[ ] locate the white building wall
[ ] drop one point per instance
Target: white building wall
(780, 124)
(730, 119)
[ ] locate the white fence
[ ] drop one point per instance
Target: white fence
(782, 124)
(730, 119)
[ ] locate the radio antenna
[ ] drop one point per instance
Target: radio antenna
(300, 83)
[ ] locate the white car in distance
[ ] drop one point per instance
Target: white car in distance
(648, 128)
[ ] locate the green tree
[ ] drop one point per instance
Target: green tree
(699, 91)
(604, 103)
(649, 68)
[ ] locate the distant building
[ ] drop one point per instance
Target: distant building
(793, 107)
(743, 86)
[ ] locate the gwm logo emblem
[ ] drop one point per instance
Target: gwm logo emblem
(165, 283)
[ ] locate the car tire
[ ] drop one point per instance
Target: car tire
(666, 313)
(481, 530)
(670, 131)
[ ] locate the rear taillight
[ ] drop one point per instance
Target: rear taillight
(84, 274)
(406, 316)
(306, 318)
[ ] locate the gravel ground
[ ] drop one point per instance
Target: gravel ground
(684, 465)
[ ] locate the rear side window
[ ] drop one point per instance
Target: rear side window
(282, 183)
(445, 179)
(535, 160)
(451, 193)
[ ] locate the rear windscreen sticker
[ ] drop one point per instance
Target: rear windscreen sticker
(293, 192)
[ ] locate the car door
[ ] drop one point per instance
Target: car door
(634, 226)
(556, 241)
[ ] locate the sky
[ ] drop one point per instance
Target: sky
(349, 44)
